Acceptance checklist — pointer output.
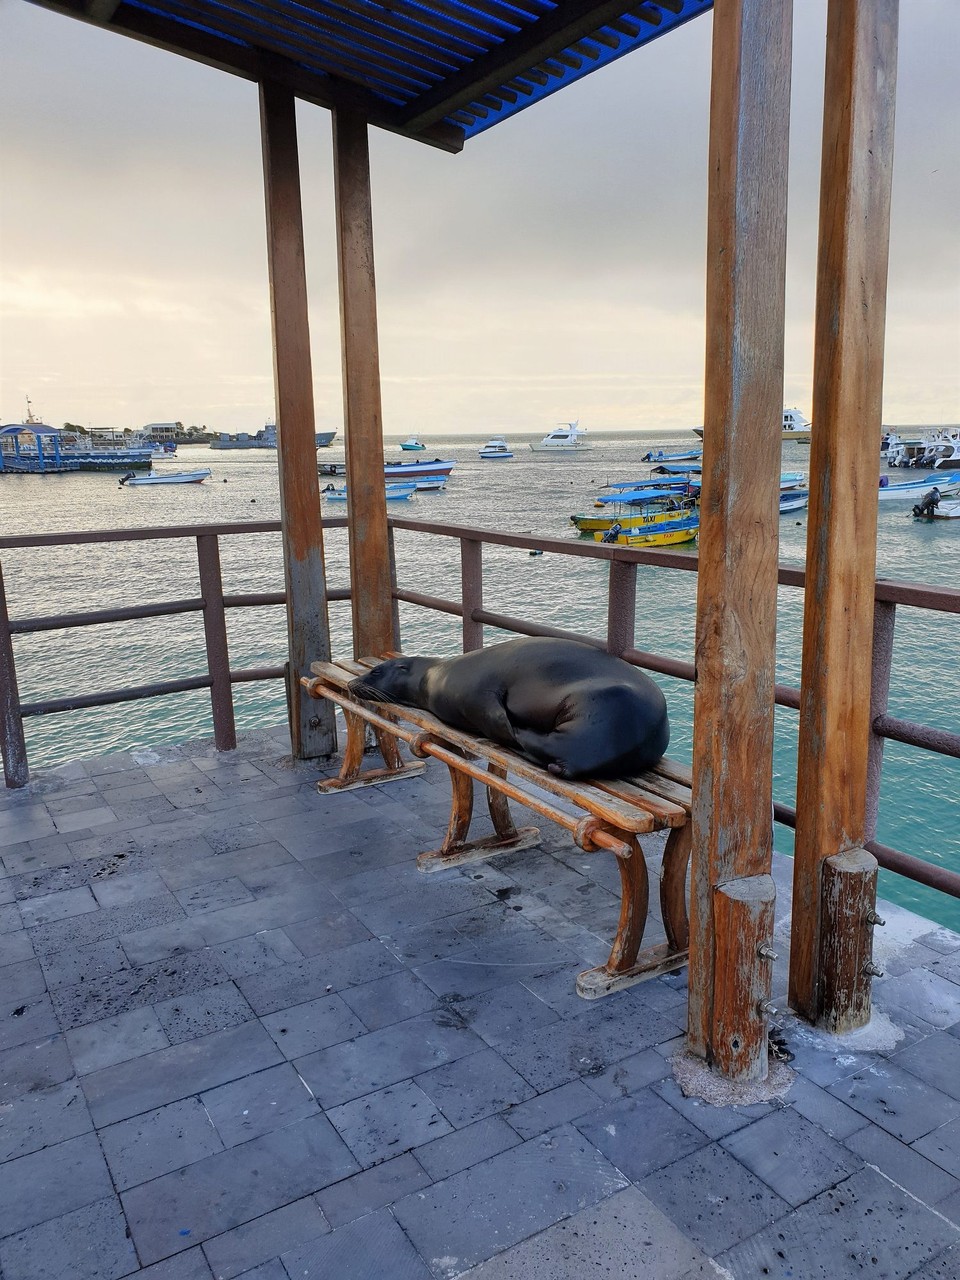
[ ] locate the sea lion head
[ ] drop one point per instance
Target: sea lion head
(396, 680)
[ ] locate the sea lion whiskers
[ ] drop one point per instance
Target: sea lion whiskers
(366, 692)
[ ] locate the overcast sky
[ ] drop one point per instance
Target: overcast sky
(553, 270)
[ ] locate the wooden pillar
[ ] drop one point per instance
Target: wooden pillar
(312, 726)
(363, 427)
(739, 527)
(841, 545)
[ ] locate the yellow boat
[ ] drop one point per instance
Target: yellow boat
(660, 535)
(671, 508)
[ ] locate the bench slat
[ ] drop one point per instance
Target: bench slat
(630, 790)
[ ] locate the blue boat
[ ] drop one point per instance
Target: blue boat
(690, 455)
(394, 492)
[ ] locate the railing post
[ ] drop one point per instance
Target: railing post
(884, 623)
(15, 770)
(621, 606)
(215, 636)
(471, 592)
(392, 553)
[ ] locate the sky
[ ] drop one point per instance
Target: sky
(553, 270)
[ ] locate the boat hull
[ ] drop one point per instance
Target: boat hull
(177, 477)
(652, 537)
(396, 470)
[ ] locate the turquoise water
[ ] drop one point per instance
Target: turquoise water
(920, 801)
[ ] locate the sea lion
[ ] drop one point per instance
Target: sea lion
(579, 711)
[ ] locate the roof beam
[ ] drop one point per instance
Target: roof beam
(258, 65)
(571, 21)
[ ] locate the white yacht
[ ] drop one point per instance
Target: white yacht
(566, 437)
(495, 448)
(794, 426)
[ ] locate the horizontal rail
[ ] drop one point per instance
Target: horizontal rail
(915, 735)
(82, 537)
(96, 617)
(136, 693)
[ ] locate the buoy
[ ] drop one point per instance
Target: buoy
(536, 553)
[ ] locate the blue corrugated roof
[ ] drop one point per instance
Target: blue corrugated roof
(438, 70)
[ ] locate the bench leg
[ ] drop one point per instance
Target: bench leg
(351, 772)
(673, 887)
(456, 849)
(627, 964)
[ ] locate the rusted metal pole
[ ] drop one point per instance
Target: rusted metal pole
(859, 97)
(372, 598)
(471, 591)
(215, 636)
(739, 526)
(16, 772)
(621, 606)
(312, 729)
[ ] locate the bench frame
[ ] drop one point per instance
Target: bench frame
(616, 813)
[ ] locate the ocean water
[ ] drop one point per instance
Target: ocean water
(920, 798)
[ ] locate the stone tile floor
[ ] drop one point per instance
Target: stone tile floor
(241, 1035)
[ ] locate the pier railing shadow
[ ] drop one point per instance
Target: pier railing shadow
(622, 562)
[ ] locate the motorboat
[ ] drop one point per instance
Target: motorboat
(401, 471)
(910, 490)
(652, 531)
(793, 499)
(658, 455)
(265, 438)
(394, 492)
(134, 480)
(566, 437)
(496, 447)
(431, 484)
(412, 444)
(942, 450)
(637, 508)
(793, 426)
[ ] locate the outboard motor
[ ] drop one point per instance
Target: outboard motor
(928, 503)
(131, 475)
(612, 533)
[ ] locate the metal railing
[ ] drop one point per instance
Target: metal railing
(621, 612)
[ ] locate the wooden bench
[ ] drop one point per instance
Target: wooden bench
(611, 815)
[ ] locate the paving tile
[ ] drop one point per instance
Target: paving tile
(903, 1164)
(523, 1190)
(946, 1266)
(713, 1199)
(629, 1075)
(48, 1183)
(381, 1058)
(327, 933)
(163, 941)
(23, 1021)
(317, 1024)
(392, 999)
(258, 1104)
(388, 1122)
(142, 1084)
(935, 1060)
(213, 895)
(42, 1119)
(896, 1100)
(157, 1142)
(716, 1122)
(10, 918)
(214, 1008)
(184, 873)
(468, 973)
(791, 1155)
(942, 1146)
(307, 979)
(498, 1017)
(113, 1040)
(826, 1111)
(583, 1045)
(864, 1226)
(928, 995)
(625, 1236)
(246, 1247)
(373, 1247)
(548, 1110)
(269, 949)
(465, 1147)
(85, 964)
(374, 1188)
(239, 1185)
(110, 922)
(57, 906)
(118, 891)
(623, 1131)
(100, 816)
(475, 1086)
(22, 981)
(418, 904)
(34, 1065)
(266, 913)
(89, 1243)
(118, 992)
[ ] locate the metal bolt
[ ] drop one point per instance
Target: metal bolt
(767, 1009)
(873, 918)
(766, 952)
(870, 970)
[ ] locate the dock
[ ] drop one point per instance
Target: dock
(243, 1035)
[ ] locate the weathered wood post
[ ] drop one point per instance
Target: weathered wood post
(312, 726)
(16, 772)
(830, 967)
(731, 890)
(370, 584)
